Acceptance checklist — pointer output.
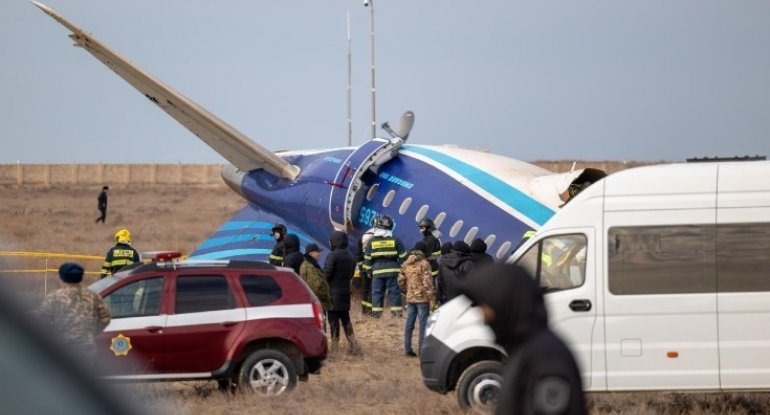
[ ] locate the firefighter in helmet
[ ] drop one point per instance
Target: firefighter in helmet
(383, 255)
(120, 255)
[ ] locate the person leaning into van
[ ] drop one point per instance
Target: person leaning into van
(541, 376)
(120, 255)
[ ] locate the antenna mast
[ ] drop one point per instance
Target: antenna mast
(370, 3)
(350, 105)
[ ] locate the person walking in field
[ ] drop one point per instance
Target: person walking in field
(76, 313)
(120, 255)
(102, 204)
(416, 282)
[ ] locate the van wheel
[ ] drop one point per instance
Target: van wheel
(268, 372)
(479, 386)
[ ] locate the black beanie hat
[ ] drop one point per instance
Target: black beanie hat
(71, 272)
(478, 246)
(461, 247)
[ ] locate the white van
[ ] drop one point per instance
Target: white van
(658, 278)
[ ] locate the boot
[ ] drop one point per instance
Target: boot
(335, 332)
(353, 347)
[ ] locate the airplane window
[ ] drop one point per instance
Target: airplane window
(490, 240)
(503, 249)
(421, 213)
(455, 229)
(405, 205)
(439, 219)
(372, 191)
(388, 198)
(471, 234)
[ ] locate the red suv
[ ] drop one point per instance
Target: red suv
(239, 322)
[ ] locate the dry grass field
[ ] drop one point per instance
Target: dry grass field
(383, 381)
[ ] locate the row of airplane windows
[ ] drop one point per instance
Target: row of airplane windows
(438, 220)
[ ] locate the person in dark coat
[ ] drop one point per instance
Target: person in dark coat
(339, 269)
(453, 268)
(446, 248)
(102, 204)
(292, 258)
(541, 376)
(479, 255)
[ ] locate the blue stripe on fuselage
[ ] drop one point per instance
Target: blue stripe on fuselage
(508, 194)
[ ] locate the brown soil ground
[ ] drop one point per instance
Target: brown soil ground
(383, 381)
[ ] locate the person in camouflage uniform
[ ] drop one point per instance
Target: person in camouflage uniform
(416, 281)
(76, 313)
(311, 272)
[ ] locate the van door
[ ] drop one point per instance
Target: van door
(743, 264)
(660, 303)
(560, 263)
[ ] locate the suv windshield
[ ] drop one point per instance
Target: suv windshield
(103, 283)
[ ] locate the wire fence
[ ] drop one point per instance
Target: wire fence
(33, 274)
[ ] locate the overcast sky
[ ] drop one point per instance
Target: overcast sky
(578, 80)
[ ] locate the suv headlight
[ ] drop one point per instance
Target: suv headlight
(431, 323)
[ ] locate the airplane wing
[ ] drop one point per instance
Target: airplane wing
(235, 147)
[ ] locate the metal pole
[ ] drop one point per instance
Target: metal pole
(45, 279)
(371, 26)
(350, 80)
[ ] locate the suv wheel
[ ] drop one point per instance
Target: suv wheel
(479, 386)
(268, 372)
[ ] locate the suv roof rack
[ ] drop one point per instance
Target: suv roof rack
(733, 158)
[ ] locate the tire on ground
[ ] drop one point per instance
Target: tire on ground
(268, 372)
(479, 386)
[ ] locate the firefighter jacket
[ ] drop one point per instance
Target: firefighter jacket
(118, 257)
(276, 256)
(415, 280)
(383, 254)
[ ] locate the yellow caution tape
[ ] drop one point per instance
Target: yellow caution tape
(49, 255)
(30, 271)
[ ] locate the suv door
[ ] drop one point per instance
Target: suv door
(133, 341)
(203, 324)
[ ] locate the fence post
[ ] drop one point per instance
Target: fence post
(45, 279)
(19, 176)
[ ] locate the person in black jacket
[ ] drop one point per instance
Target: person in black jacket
(279, 233)
(102, 204)
(446, 248)
(339, 268)
(433, 244)
(454, 267)
(292, 258)
(479, 255)
(541, 376)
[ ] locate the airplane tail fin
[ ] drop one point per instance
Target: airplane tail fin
(235, 147)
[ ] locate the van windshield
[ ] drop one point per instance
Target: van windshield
(556, 262)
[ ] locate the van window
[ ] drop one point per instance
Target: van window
(196, 294)
(557, 262)
(743, 257)
(139, 298)
(661, 259)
